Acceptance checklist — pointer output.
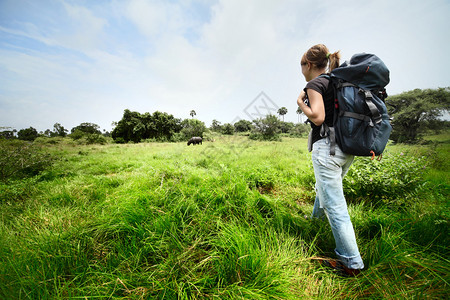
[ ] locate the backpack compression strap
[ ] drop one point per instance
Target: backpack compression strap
(376, 116)
(360, 117)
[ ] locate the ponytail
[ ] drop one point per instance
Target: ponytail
(333, 60)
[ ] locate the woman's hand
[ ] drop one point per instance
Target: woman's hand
(302, 96)
(301, 99)
(316, 111)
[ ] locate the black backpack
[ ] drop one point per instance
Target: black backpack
(361, 124)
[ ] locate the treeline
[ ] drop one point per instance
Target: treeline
(160, 126)
(88, 133)
(414, 114)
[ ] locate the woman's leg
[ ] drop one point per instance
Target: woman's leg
(317, 212)
(329, 171)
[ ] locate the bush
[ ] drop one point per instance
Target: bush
(84, 138)
(43, 140)
(266, 129)
(262, 178)
(286, 127)
(228, 129)
(119, 140)
(210, 136)
(20, 159)
(243, 126)
(95, 139)
(28, 134)
(395, 177)
(300, 130)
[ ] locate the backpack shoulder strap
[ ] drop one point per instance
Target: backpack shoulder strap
(325, 130)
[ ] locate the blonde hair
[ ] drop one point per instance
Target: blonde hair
(319, 56)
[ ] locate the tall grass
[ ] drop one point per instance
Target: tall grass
(225, 220)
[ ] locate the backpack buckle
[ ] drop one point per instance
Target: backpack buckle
(368, 94)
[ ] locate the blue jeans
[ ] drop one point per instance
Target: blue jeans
(330, 201)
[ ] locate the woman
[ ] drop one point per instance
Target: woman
(317, 103)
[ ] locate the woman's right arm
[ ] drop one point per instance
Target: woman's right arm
(315, 113)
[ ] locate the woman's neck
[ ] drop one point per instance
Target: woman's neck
(316, 72)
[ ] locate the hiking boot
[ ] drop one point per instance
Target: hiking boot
(339, 267)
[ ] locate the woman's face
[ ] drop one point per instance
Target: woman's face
(306, 68)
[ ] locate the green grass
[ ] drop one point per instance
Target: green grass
(224, 220)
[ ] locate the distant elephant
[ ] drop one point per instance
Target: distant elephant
(195, 140)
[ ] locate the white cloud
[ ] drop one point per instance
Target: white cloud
(149, 17)
(83, 31)
(159, 18)
(101, 58)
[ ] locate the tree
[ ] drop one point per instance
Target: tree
(193, 113)
(216, 126)
(413, 110)
(29, 134)
(59, 130)
(282, 111)
(136, 127)
(162, 126)
(88, 133)
(286, 127)
(299, 113)
(266, 129)
(7, 133)
(192, 127)
(86, 128)
(242, 126)
(129, 128)
(228, 129)
(106, 133)
(48, 133)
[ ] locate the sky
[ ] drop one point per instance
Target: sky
(75, 61)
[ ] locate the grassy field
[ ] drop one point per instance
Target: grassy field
(224, 220)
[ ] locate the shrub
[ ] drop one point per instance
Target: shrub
(20, 159)
(394, 177)
(84, 138)
(262, 178)
(95, 139)
(259, 137)
(77, 134)
(119, 140)
(210, 136)
(300, 130)
(43, 140)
